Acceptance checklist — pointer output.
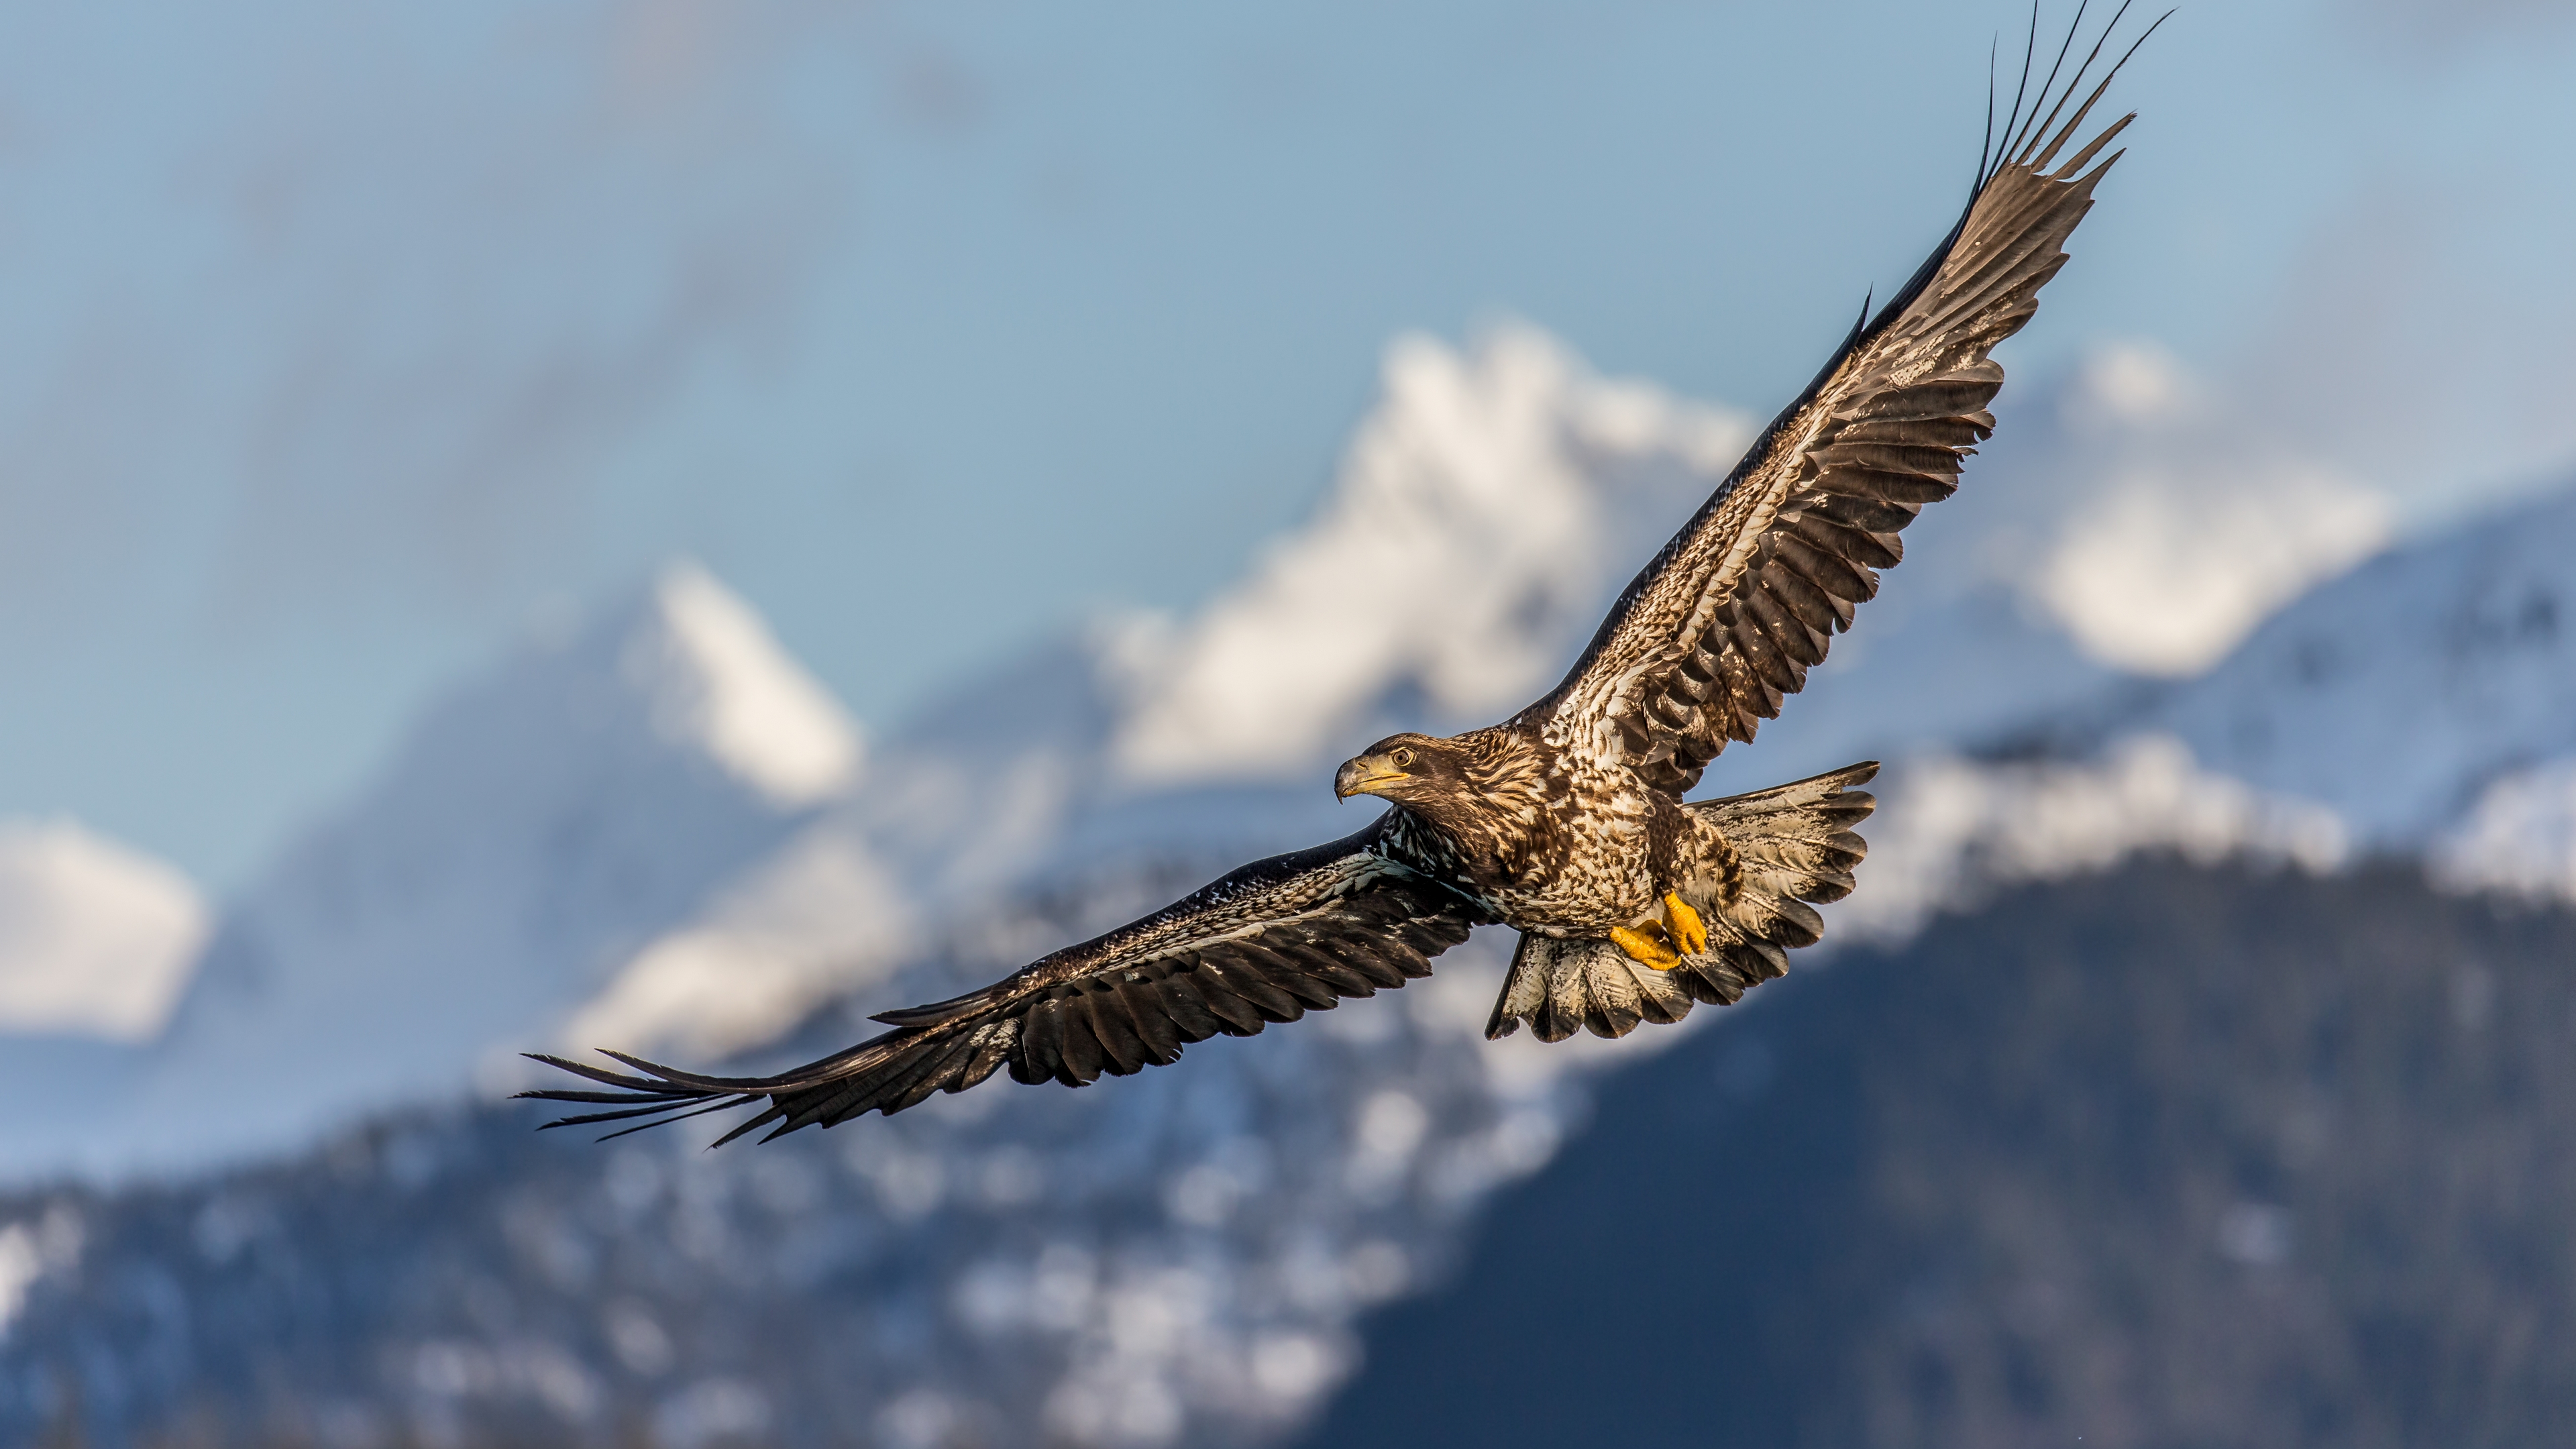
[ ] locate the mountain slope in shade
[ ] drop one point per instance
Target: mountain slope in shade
(1929, 671)
(2400, 692)
(543, 823)
(2163, 1156)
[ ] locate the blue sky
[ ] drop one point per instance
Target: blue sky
(337, 343)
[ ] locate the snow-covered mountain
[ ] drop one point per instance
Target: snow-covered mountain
(2421, 704)
(2402, 693)
(542, 824)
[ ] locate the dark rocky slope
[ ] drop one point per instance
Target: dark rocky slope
(2167, 1157)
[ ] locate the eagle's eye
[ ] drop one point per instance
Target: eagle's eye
(1404, 759)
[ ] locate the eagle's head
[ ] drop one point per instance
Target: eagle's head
(1408, 769)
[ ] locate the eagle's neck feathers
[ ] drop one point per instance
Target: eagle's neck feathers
(1503, 827)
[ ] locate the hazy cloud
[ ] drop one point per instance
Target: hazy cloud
(2423, 31)
(377, 301)
(2147, 515)
(2415, 338)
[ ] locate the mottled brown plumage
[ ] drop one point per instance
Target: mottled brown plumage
(1566, 821)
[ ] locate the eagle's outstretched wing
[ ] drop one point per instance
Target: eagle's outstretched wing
(1727, 619)
(1263, 944)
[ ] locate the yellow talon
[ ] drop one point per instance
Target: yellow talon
(1650, 950)
(1684, 926)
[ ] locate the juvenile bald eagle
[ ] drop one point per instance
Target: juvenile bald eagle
(1566, 821)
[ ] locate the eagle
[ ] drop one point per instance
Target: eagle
(1569, 821)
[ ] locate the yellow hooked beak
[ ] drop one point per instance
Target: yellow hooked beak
(1366, 775)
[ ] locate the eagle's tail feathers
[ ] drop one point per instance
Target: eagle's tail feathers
(1562, 987)
(1794, 845)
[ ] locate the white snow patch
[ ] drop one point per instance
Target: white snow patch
(31, 1250)
(1948, 829)
(96, 939)
(2519, 837)
(717, 677)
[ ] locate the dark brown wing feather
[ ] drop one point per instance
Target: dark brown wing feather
(1266, 943)
(1726, 621)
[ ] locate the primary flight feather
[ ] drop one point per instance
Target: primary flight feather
(1566, 821)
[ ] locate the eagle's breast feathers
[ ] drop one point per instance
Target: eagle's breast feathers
(1548, 839)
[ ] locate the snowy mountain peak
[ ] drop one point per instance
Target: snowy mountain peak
(545, 824)
(2404, 693)
(1479, 511)
(715, 677)
(95, 939)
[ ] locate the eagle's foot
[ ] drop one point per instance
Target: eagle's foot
(1684, 926)
(1648, 947)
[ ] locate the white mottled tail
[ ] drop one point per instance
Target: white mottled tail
(1794, 844)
